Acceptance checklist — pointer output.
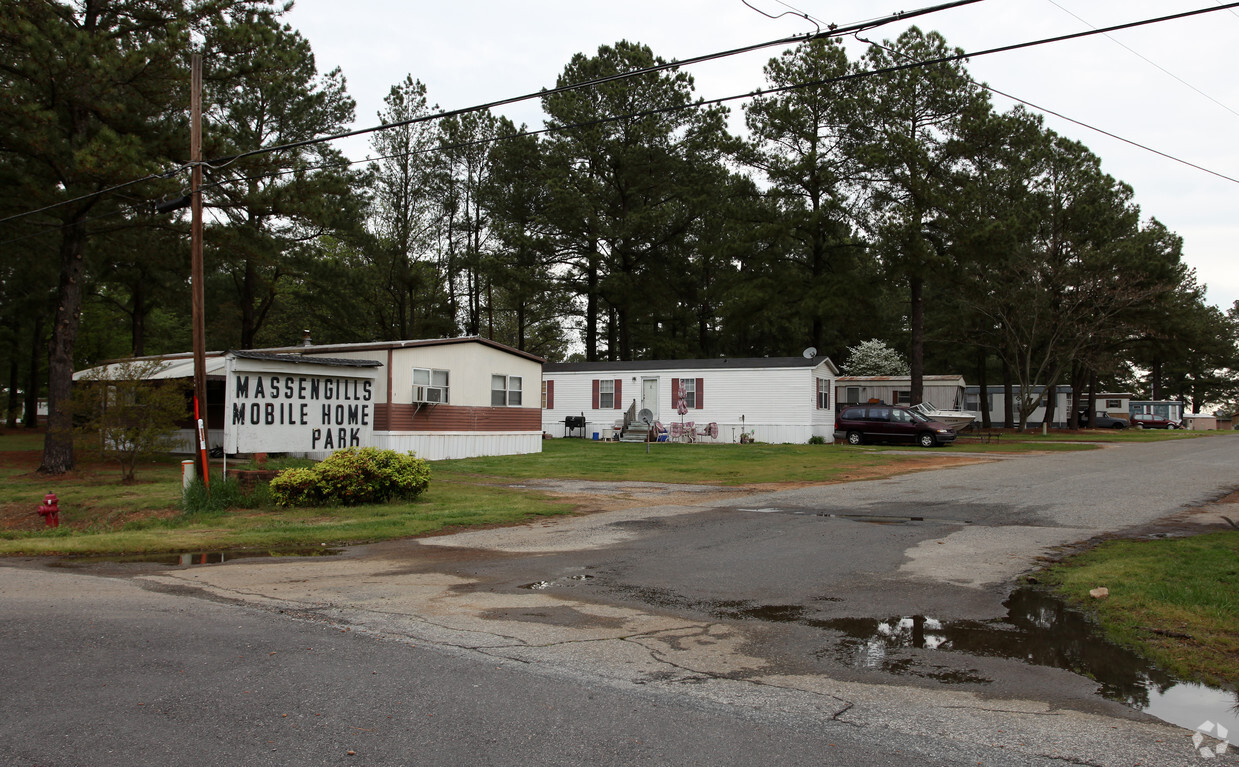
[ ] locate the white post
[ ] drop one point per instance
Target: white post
(187, 475)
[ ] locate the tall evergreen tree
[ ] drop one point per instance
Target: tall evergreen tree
(914, 117)
(623, 175)
(264, 92)
(411, 293)
(93, 98)
(804, 141)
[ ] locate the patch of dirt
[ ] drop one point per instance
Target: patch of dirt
(23, 515)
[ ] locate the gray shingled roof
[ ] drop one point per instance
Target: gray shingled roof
(720, 363)
(307, 359)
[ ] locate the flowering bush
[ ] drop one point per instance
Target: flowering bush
(352, 477)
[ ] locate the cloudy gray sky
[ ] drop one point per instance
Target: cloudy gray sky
(1169, 86)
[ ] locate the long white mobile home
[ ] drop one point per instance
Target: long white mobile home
(944, 392)
(768, 399)
(440, 398)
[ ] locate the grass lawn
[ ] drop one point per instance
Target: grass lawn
(101, 515)
(1174, 600)
(709, 464)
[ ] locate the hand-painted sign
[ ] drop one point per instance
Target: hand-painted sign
(288, 404)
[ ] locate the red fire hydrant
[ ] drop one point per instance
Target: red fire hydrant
(50, 510)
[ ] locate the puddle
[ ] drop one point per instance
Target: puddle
(1039, 630)
(873, 519)
(567, 581)
(195, 558)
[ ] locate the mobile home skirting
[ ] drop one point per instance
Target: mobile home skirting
(455, 418)
(440, 446)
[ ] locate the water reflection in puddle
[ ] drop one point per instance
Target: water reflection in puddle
(194, 558)
(1039, 630)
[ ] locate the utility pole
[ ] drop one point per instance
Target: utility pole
(195, 249)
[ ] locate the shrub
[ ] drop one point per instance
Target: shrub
(296, 487)
(352, 477)
(817, 439)
(225, 494)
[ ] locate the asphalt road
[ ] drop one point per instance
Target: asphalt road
(842, 624)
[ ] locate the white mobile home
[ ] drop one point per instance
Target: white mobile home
(768, 399)
(995, 399)
(440, 398)
(944, 392)
(1166, 408)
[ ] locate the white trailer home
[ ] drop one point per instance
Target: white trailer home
(944, 392)
(441, 398)
(995, 399)
(768, 399)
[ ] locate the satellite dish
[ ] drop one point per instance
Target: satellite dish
(646, 416)
(809, 353)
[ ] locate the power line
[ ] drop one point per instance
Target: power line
(854, 29)
(1134, 52)
(1095, 31)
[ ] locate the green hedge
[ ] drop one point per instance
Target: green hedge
(353, 477)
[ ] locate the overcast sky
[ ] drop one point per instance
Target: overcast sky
(1169, 86)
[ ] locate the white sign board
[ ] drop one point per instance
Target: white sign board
(296, 407)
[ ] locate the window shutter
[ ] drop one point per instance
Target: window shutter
(675, 392)
(619, 391)
(701, 392)
(550, 395)
(595, 394)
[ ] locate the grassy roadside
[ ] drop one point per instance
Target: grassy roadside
(100, 515)
(1174, 600)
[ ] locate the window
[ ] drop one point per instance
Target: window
(548, 395)
(688, 389)
(1113, 404)
(823, 394)
(505, 391)
(852, 395)
(430, 385)
(606, 395)
(903, 397)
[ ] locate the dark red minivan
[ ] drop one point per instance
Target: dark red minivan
(889, 423)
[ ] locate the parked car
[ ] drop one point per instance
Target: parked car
(890, 423)
(1151, 421)
(1102, 421)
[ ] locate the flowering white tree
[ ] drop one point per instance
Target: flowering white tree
(874, 358)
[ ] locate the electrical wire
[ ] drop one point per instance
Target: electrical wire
(675, 64)
(1147, 60)
(1095, 31)
(848, 29)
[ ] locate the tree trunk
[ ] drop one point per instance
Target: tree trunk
(32, 376)
(1092, 401)
(11, 404)
(916, 360)
(987, 421)
(58, 444)
(137, 323)
(1008, 395)
(590, 331)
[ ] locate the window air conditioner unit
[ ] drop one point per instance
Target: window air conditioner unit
(433, 394)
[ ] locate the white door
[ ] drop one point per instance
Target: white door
(649, 395)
